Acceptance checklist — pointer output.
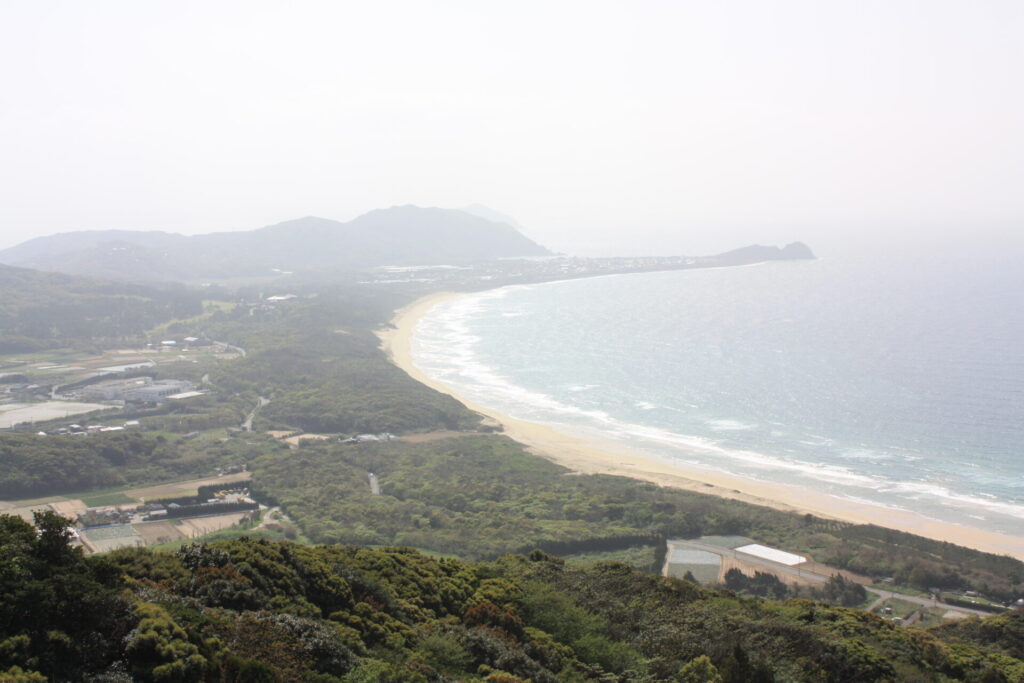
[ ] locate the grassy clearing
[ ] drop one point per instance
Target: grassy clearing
(57, 355)
(210, 307)
(228, 535)
(900, 608)
(38, 501)
(95, 500)
(115, 496)
(641, 557)
(932, 616)
(130, 493)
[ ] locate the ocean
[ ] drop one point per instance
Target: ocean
(892, 381)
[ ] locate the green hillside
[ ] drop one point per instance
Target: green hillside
(402, 235)
(46, 310)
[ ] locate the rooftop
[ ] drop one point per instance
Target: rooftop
(772, 554)
(687, 556)
(185, 394)
(725, 541)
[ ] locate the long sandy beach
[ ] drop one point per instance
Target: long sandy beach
(592, 457)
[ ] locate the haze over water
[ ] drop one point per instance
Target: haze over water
(893, 381)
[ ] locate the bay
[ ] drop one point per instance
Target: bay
(897, 381)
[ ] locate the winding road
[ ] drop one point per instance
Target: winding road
(247, 425)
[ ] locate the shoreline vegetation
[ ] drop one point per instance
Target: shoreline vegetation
(588, 456)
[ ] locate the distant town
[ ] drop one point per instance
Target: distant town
(547, 268)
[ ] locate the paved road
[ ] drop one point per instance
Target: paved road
(275, 515)
(877, 603)
(247, 425)
(927, 602)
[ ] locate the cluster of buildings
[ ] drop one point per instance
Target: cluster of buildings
(366, 438)
(137, 390)
(105, 528)
(268, 304)
(707, 559)
(222, 502)
(40, 391)
(26, 391)
(84, 430)
(526, 270)
(182, 343)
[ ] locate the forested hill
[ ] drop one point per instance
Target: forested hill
(42, 310)
(403, 235)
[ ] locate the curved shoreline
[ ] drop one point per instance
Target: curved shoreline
(591, 457)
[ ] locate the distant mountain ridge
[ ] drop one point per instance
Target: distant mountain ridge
(401, 235)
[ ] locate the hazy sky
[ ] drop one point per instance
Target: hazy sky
(665, 127)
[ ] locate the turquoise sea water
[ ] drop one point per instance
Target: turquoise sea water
(897, 382)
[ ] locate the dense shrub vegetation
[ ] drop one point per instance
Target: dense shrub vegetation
(483, 495)
(319, 364)
(248, 610)
(31, 465)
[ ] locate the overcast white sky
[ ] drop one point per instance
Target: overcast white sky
(603, 127)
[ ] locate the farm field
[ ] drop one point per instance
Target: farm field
(105, 539)
(183, 488)
(80, 501)
(153, 533)
(198, 526)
